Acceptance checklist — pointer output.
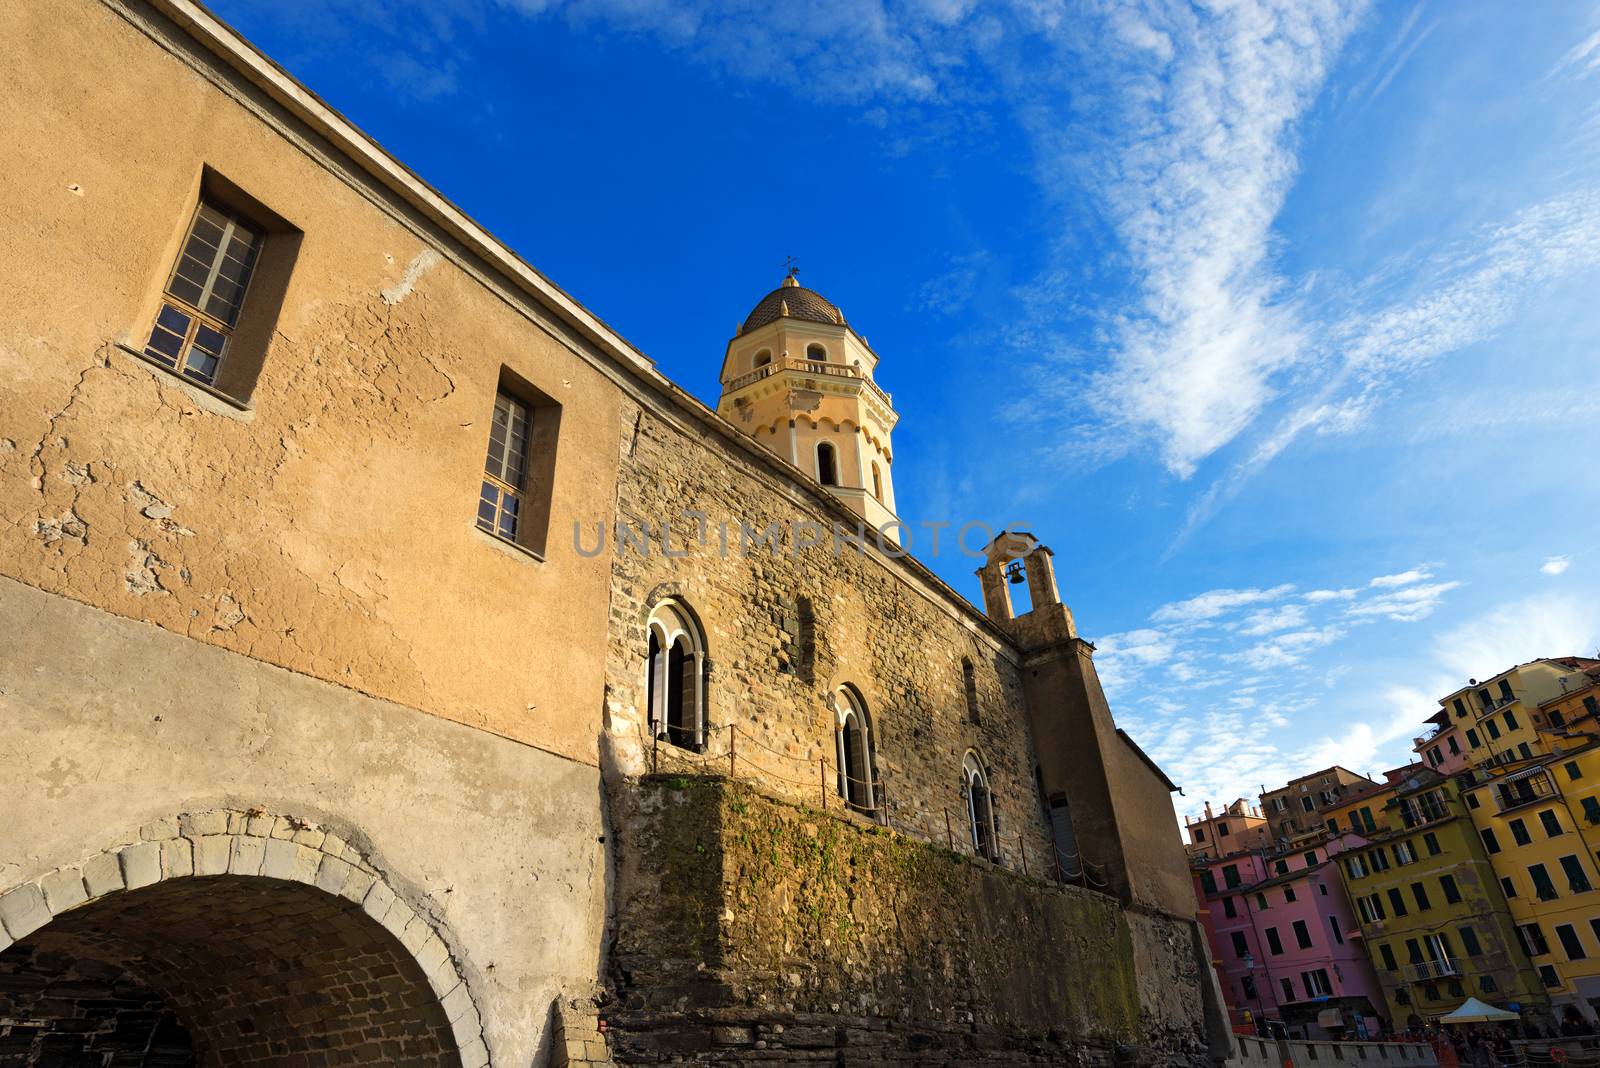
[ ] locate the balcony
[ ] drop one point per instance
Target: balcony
(809, 368)
(1523, 788)
(1431, 970)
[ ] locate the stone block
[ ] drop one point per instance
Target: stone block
(63, 888)
(309, 836)
(177, 858)
(333, 845)
(141, 864)
(356, 885)
(102, 875)
(211, 854)
(444, 978)
(288, 861)
(258, 825)
(418, 931)
(332, 874)
(398, 918)
(468, 1026)
(195, 824)
(160, 830)
(431, 954)
(378, 901)
(23, 910)
(475, 1054)
(455, 1004)
(247, 855)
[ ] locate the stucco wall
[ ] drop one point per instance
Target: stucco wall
(329, 529)
(111, 724)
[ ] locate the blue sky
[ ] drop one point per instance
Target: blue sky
(1277, 321)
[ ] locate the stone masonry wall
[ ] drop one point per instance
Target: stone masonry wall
(784, 630)
(754, 931)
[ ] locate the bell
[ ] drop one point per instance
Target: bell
(1014, 573)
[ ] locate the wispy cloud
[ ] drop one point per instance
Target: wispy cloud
(1214, 603)
(1404, 578)
(1555, 565)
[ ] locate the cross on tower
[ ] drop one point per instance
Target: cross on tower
(791, 265)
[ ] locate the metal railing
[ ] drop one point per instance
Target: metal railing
(1428, 970)
(740, 759)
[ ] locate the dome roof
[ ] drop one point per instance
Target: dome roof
(802, 303)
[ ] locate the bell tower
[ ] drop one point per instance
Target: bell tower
(799, 379)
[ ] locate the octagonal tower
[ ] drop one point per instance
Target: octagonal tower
(798, 379)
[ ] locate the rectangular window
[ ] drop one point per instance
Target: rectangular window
(1508, 886)
(1199, 834)
(1371, 908)
(1230, 876)
(1505, 689)
(1472, 738)
(505, 468)
(1367, 820)
(1311, 858)
(1414, 951)
(519, 465)
(1333, 927)
(1208, 883)
(1594, 929)
(1397, 903)
(1288, 989)
(1577, 881)
(1557, 718)
(1469, 942)
(1288, 895)
(1447, 883)
(1316, 983)
(1525, 750)
(1548, 976)
(1420, 892)
(1280, 867)
(1591, 810)
(1302, 934)
(1229, 909)
(1261, 902)
(1378, 859)
(1574, 773)
(1332, 825)
(1519, 831)
(1543, 888)
(1355, 868)
(1511, 721)
(1455, 746)
(1493, 728)
(205, 293)
(1404, 853)
(1571, 944)
(1591, 706)
(1389, 963)
(1487, 984)
(1490, 842)
(1274, 943)
(1222, 830)
(1472, 800)
(1241, 948)
(1552, 823)
(1308, 804)
(1431, 841)
(1461, 709)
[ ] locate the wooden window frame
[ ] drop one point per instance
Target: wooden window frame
(181, 362)
(535, 495)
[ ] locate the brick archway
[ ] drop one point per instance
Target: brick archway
(230, 937)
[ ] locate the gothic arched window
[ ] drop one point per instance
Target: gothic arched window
(853, 737)
(827, 464)
(877, 482)
(674, 677)
(980, 807)
(815, 351)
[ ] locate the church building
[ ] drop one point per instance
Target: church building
(398, 669)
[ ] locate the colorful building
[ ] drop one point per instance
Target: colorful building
(1431, 910)
(1280, 928)
(1238, 826)
(1442, 747)
(1500, 719)
(1296, 809)
(1539, 824)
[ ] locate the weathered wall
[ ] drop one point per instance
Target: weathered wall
(329, 529)
(818, 933)
(497, 842)
(897, 641)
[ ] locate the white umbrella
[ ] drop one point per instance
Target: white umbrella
(1474, 1011)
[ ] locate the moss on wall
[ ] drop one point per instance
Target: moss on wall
(730, 899)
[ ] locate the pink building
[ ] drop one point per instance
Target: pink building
(1442, 747)
(1279, 926)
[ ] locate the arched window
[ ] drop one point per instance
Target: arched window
(674, 677)
(827, 464)
(853, 735)
(969, 681)
(980, 807)
(815, 351)
(763, 358)
(877, 482)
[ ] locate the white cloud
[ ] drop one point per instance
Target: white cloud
(1214, 603)
(1287, 650)
(1268, 620)
(1555, 565)
(1516, 632)
(1320, 596)
(1404, 578)
(1405, 605)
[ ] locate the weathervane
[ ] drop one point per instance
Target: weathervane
(791, 265)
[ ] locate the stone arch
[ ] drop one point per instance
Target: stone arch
(265, 939)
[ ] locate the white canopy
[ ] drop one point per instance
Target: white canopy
(1474, 1011)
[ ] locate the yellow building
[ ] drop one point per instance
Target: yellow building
(1500, 718)
(1539, 824)
(1430, 908)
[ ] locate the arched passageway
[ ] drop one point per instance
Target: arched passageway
(227, 969)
